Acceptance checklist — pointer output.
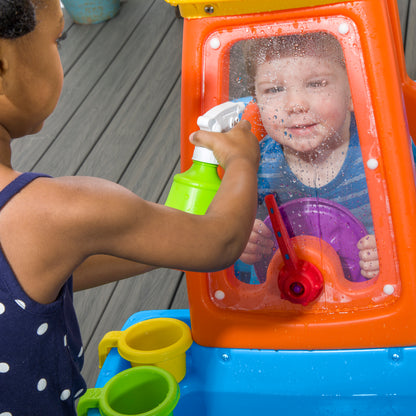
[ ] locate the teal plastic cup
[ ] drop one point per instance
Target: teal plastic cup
(91, 11)
(137, 391)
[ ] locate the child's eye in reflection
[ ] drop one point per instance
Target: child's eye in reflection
(317, 84)
(274, 90)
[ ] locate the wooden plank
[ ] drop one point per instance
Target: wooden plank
(180, 301)
(153, 163)
(80, 37)
(410, 49)
(79, 81)
(89, 306)
(124, 135)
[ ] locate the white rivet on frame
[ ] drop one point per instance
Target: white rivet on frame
(343, 28)
(219, 294)
(214, 43)
(388, 289)
(372, 164)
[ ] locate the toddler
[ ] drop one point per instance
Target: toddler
(311, 149)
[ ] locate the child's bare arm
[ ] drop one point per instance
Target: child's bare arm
(100, 269)
(148, 235)
(57, 226)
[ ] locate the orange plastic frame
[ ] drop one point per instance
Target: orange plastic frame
(377, 74)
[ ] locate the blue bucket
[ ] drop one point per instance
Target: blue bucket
(91, 11)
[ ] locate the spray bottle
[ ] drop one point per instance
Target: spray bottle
(193, 190)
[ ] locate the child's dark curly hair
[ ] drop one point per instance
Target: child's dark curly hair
(17, 18)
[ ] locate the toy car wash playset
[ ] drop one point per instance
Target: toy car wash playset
(305, 333)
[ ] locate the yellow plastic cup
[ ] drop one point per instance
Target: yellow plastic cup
(139, 391)
(161, 342)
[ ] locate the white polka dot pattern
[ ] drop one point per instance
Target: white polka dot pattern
(41, 352)
(65, 394)
(42, 329)
(42, 383)
(4, 367)
(20, 303)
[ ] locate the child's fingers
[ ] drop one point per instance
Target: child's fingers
(370, 274)
(206, 138)
(261, 228)
(259, 244)
(369, 263)
(369, 269)
(370, 266)
(261, 237)
(244, 124)
(249, 258)
(367, 242)
(368, 254)
(254, 252)
(203, 138)
(238, 141)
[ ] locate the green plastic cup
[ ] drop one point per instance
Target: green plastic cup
(137, 391)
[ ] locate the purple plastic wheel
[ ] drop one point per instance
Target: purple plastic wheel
(327, 220)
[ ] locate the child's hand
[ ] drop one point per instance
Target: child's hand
(239, 142)
(369, 263)
(260, 243)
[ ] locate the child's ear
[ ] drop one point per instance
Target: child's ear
(4, 66)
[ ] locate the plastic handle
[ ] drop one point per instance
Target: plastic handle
(90, 400)
(282, 236)
(220, 119)
(109, 341)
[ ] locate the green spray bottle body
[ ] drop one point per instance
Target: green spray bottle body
(193, 190)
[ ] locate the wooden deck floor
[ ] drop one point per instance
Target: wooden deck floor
(118, 118)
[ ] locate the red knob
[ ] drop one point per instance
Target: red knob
(302, 284)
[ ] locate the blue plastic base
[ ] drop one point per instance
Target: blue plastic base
(227, 382)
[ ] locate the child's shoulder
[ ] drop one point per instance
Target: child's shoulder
(44, 189)
(57, 202)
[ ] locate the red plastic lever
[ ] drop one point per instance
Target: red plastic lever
(282, 236)
(299, 281)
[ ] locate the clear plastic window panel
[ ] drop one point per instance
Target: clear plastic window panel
(311, 162)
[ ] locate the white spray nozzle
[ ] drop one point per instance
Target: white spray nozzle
(220, 119)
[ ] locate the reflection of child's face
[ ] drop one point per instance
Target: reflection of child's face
(304, 102)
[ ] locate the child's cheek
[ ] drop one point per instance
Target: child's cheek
(272, 123)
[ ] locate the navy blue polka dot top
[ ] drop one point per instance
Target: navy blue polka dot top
(41, 352)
